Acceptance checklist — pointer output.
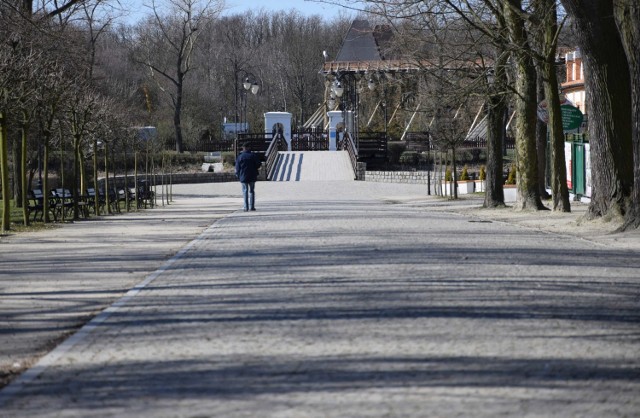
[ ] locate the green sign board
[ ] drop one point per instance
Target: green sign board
(571, 117)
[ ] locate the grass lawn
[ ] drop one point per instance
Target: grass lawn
(17, 222)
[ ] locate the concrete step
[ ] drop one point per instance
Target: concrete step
(313, 166)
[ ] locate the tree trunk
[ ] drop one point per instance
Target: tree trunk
(454, 174)
(608, 101)
(83, 174)
(177, 114)
(559, 188)
(126, 177)
(16, 170)
(541, 139)
(45, 180)
(528, 194)
(540, 8)
(77, 160)
(62, 170)
(496, 113)
(96, 196)
(107, 202)
(135, 178)
(4, 174)
(627, 14)
(494, 194)
(24, 128)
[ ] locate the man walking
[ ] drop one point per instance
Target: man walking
(247, 165)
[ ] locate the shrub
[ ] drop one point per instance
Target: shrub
(475, 154)
(464, 176)
(511, 178)
(183, 159)
(229, 158)
(464, 155)
(483, 173)
(395, 151)
(409, 158)
(447, 175)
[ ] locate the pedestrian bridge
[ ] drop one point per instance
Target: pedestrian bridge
(307, 157)
(312, 154)
(312, 166)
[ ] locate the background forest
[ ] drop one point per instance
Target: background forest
(76, 77)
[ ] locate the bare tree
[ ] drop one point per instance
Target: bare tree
(448, 133)
(167, 45)
(51, 94)
(627, 15)
(81, 110)
(5, 81)
(237, 57)
(16, 94)
(496, 115)
(493, 56)
(116, 75)
(45, 8)
(528, 193)
(477, 26)
(549, 30)
(301, 46)
(99, 16)
(26, 103)
(609, 102)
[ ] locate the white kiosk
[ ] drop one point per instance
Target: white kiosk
(335, 120)
(279, 121)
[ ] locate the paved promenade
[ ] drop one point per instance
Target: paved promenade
(334, 299)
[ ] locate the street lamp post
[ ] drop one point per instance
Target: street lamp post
(344, 91)
(331, 102)
(337, 90)
(249, 85)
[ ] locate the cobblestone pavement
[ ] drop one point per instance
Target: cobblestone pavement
(352, 299)
(53, 281)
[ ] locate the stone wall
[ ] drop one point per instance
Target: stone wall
(203, 178)
(408, 177)
(361, 171)
(181, 178)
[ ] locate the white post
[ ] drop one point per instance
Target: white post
(272, 119)
(335, 118)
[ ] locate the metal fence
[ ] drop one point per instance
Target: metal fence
(421, 141)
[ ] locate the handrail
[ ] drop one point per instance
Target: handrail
(347, 144)
(277, 144)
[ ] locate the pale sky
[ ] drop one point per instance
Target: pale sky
(306, 8)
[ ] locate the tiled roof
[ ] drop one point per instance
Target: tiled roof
(362, 66)
(359, 44)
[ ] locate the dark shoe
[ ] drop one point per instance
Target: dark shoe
(253, 209)
(246, 210)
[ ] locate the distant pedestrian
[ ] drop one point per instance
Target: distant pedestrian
(247, 165)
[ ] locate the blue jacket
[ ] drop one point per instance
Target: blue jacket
(247, 165)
